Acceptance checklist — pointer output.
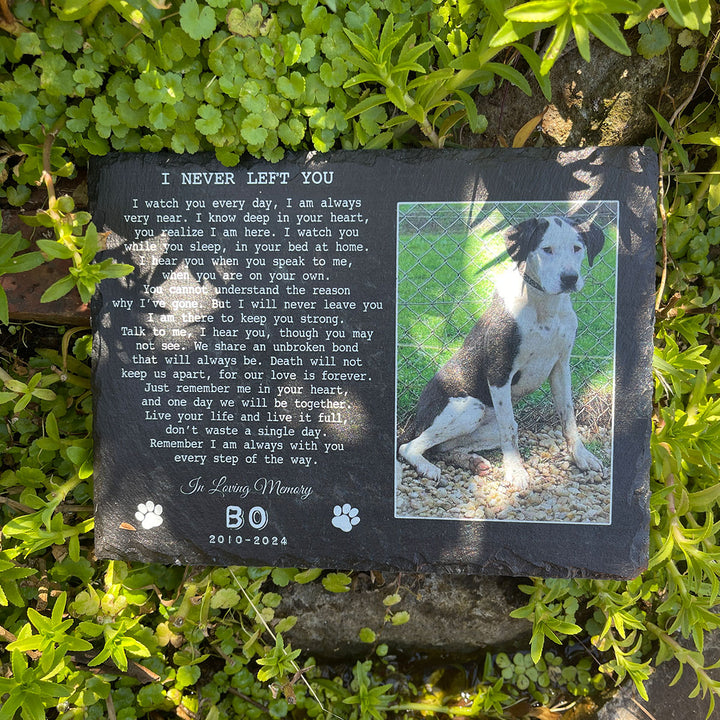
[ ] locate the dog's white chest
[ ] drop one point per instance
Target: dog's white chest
(545, 340)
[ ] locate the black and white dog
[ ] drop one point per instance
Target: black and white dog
(524, 338)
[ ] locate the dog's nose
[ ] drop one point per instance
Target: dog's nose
(568, 281)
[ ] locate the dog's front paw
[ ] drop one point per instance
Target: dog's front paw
(430, 471)
(517, 477)
(419, 462)
(585, 460)
(427, 469)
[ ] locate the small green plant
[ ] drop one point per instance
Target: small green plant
(372, 701)
(549, 677)
(582, 19)
(71, 243)
(30, 689)
(436, 101)
(279, 663)
(552, 609)
(13, 260)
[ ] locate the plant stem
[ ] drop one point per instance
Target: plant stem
(8, 22)
(683, 655)
(428, 708)
(47, 151)
(704, 186)
(62, 491)
(427, 129)
(663, 236)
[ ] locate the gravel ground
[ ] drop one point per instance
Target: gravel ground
(558, 491)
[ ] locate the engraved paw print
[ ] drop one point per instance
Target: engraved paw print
(346, 517)
(149, 514)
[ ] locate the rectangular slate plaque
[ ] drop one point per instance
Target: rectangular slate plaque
(256, 373)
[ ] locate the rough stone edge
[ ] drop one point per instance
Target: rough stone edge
(458, 617)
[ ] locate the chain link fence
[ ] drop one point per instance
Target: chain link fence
(449, 256)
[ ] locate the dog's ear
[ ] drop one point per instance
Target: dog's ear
(523, 238)
(593, 237)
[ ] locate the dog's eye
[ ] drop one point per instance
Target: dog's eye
(547, 250)
(577, 248)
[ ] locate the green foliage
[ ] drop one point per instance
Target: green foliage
(337, 582)
(12, 262)
(654, 38)
(583, 19)
(43, 163)
(542, 678)
(236, 77)
(29, 689)
(426, 100)
(372, 701)
(91, 639)
(199, 23)
(695, 16)
(551, 619)
(278, 663)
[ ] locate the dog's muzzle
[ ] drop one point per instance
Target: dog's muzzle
(568, 282)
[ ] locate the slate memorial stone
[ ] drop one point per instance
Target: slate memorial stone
(419, 360)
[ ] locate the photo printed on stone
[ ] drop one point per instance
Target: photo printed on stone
(557, 313)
